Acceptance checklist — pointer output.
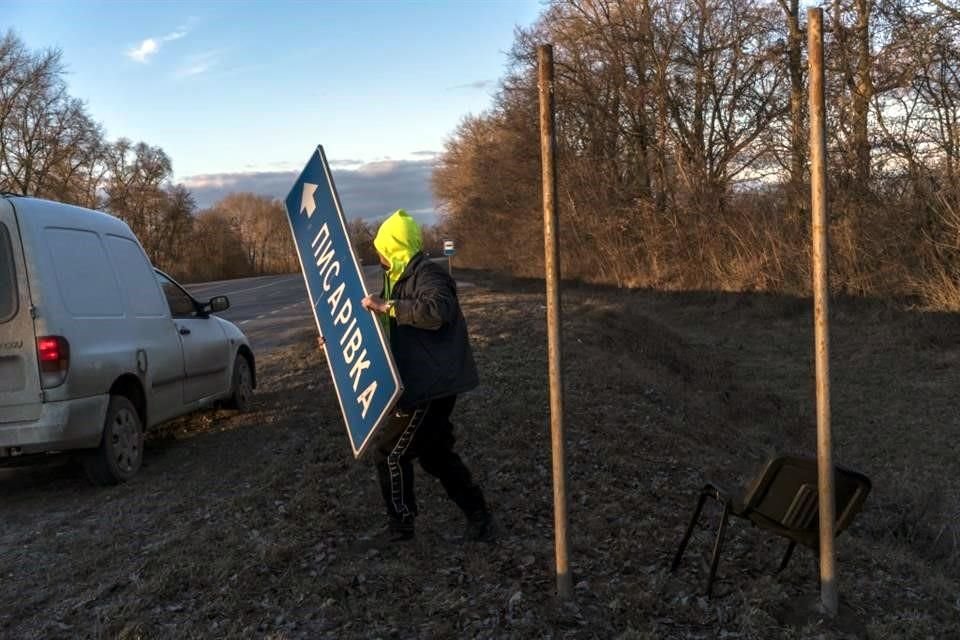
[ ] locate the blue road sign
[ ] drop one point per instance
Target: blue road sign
(362, 368)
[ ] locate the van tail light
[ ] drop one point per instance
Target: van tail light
(54, 355)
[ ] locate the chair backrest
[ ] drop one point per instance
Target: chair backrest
(785, 493)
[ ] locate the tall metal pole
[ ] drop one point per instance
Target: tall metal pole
(551, 244)
(821, 294)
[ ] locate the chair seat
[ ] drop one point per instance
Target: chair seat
(783, 499)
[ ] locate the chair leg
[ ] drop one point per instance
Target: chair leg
(686, 536)
(786, 556)
(721, 530)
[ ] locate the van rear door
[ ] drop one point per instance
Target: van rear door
(20, 393)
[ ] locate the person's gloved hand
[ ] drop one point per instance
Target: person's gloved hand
(376, 303)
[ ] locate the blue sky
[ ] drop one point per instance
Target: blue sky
(239, 93)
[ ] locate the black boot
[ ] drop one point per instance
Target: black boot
(399, 531)
(480, 527)
(396, 533)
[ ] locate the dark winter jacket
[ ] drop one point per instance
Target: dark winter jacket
(428, 334)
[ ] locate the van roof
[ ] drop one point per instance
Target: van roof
(46, 213)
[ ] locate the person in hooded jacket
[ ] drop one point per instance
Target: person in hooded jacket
(428, 338)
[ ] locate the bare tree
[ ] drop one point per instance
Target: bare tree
(134, 189)
(49, 145)
(855, 46)
(953, 11)
(216, 251)
(361, 238)
(798, 112)
(721, 82)
(485, 185)
(172, 230)
(261, 227)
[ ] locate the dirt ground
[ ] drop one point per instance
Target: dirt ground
(246, 526)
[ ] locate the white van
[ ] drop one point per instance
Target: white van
(96, 346)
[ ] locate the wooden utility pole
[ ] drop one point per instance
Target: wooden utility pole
(548, 147)
(821, 294)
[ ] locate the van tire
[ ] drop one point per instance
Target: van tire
(241, 394)
(120, 454)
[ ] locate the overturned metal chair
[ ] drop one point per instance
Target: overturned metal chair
(783, 499)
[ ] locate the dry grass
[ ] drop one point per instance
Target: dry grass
(897, 247)
(244, 526)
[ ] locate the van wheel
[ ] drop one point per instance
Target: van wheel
(120, 453)
(241, 395)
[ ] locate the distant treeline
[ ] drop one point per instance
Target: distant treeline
(51, 147)
(683, 158)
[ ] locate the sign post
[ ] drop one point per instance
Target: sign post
(449, 251)
(821, 297)
(548, 147)
(362, 368)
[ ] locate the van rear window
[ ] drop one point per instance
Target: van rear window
(88, 285)
(8, 277)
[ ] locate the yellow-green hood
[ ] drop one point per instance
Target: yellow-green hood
(398, 240)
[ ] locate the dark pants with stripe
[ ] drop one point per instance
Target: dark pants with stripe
(426, 433)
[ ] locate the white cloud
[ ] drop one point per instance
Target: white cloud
(149, 47)
(198, 64)
(379, 168)
(193, 70)
(146, 49)
(176, 35)
(370, 191)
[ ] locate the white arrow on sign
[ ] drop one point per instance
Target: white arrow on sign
(307, 205)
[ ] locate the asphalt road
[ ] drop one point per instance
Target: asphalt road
(269, 309)
(272, 310)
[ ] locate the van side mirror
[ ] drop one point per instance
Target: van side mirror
(218, 304)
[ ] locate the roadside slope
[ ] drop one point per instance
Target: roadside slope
(244, 526)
